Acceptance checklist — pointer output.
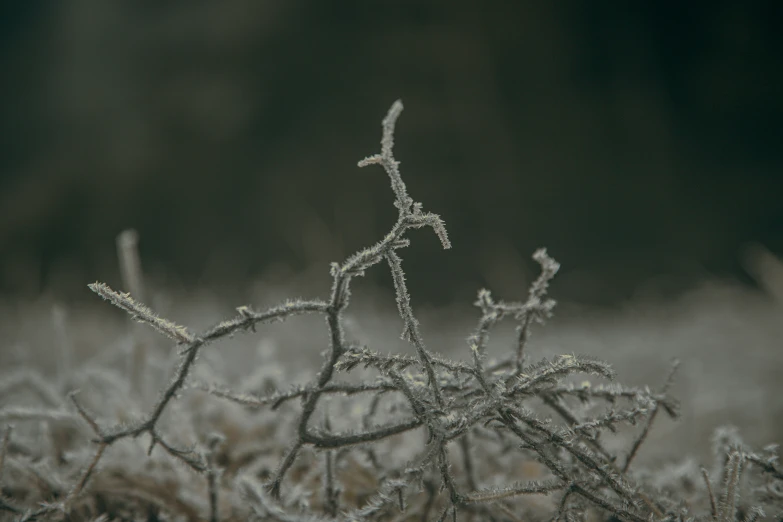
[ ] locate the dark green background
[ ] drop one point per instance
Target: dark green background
(639, 141)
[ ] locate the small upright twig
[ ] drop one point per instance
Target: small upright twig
(130, 263)
(133, 282)
(731, 477)
(713, 505)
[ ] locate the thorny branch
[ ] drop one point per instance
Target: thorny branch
(448, 401)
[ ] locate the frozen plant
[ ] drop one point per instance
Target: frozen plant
(401, 437)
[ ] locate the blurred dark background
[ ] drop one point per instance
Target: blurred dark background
(639, 142)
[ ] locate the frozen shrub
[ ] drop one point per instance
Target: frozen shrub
(371, 436)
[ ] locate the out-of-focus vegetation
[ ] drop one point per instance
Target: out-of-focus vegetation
(639, 143)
